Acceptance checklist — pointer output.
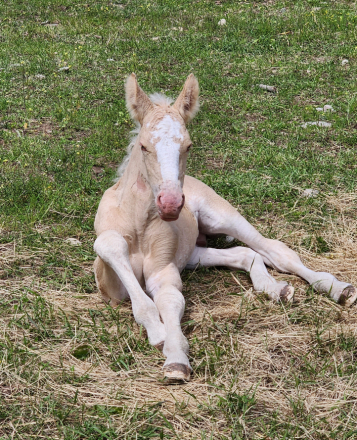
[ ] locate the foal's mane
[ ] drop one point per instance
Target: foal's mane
(157, 99)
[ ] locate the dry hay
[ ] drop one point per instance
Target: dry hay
(260, 345)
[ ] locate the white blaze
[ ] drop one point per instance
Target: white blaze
(166, 135)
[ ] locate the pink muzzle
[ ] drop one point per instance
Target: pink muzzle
(169, 204)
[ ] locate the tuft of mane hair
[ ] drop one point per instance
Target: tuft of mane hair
(160, 99)
(121, 168)
(157, 99)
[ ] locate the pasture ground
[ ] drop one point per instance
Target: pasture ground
(73, 368)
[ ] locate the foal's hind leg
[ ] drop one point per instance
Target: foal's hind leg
(247, 260)
(217, 216)
(276, 254)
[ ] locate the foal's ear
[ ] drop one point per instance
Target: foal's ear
(137, 101)
(187, 103)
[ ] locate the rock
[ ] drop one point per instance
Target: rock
(229, 239)
(271, 89)
(155, 38)
(73, 241)
(325, 108)
(344, 62)
(309, 192)
(110, 59)
(39, 76)
(318, 123)
(222, 22)
(63, 69)
(328, 108)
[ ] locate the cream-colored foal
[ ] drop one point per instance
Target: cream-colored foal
(148, 224)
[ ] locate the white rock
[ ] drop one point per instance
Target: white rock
(229, 239)
(328, 108)
(62, 69)
(309, 192)
(319, 109)
(73, 241)
(39, 76)
(318, 123)
(155, 38)
(110, 59)
(344, 62)
(222, 22)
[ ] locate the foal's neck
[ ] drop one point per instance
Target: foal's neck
(135, 173)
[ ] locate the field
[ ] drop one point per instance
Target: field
(72, 367)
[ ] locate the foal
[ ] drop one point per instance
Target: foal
(148, 224)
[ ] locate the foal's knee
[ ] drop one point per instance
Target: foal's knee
(110, 242)
(169, 298)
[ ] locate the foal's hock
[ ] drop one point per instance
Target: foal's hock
(148, 224)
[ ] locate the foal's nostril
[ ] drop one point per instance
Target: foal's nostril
(183, 200)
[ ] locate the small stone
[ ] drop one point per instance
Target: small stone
(229, 239)
(110, 59)
(73, 241)
(344, 62)
(63, 69)
(155, 38)
(309, 192)
(308, 71)
(319, 109)
(51, 24)
(318, 123)
(39, 76)
(222, 22)
(328, 108)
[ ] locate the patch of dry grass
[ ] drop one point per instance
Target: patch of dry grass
(259, 367)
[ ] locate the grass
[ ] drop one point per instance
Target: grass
(72, 367)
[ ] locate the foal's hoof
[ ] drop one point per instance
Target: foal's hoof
(348, 296)
(175, 371)
(286, 294)
(160, 345)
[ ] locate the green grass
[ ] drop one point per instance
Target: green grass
(74, 368)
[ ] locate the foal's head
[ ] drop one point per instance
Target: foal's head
(164, 141)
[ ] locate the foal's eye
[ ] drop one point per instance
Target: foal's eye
(189, 147)
(143, 148)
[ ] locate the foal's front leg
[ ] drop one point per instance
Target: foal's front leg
(112, 248)
(165, 288)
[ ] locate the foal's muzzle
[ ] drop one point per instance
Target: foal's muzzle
(169, 205)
